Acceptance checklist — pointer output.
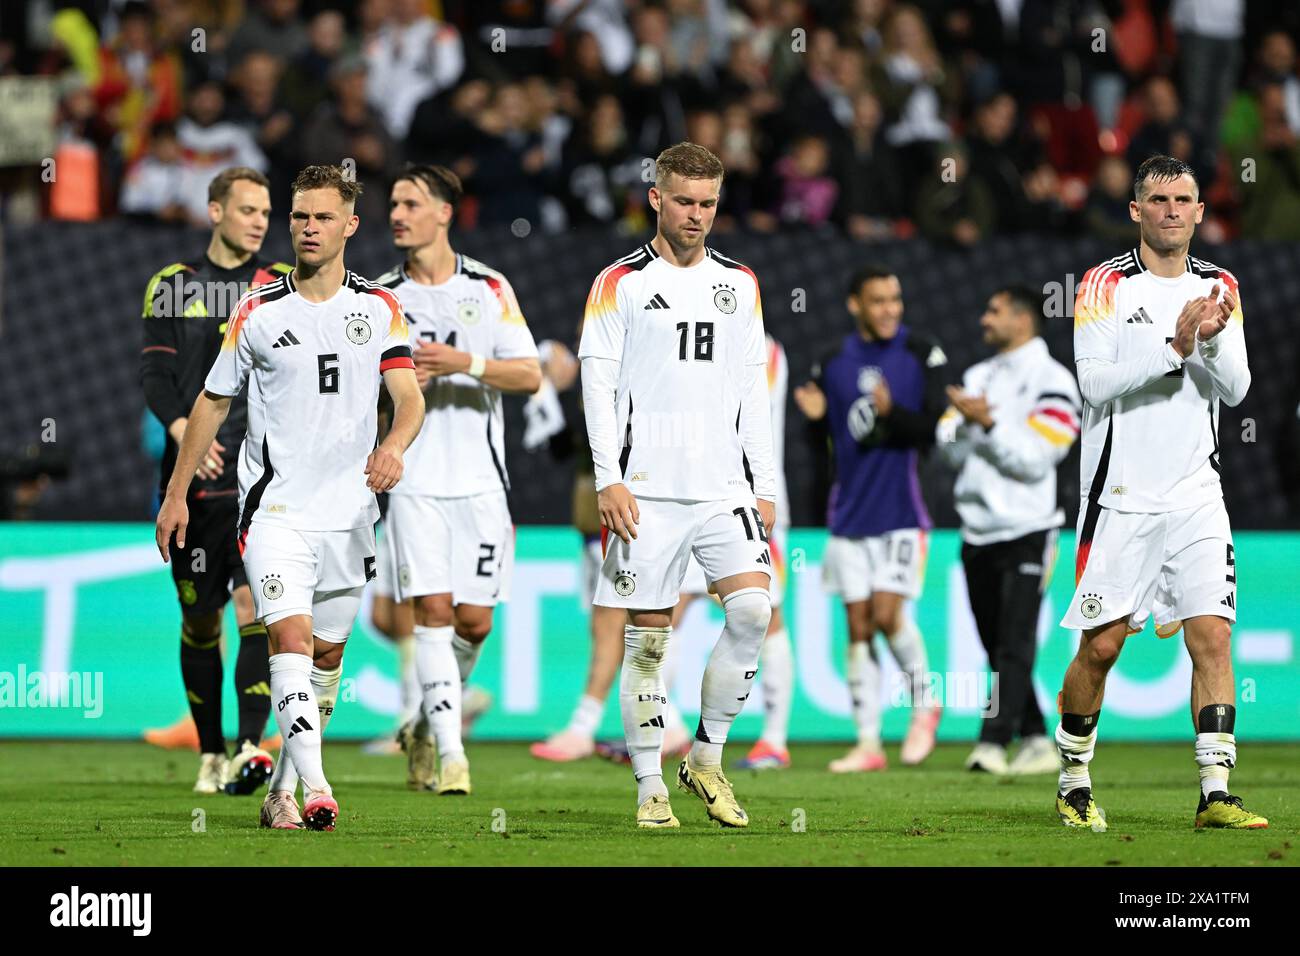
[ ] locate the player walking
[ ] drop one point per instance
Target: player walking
(882, 394)
(675, 393)
(1158, 344)
(311, 346)
(449, 528)
(186, 306)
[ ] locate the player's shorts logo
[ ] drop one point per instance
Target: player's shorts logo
(1090, 607)
(358, 329)
(624, 583)
(725, 298)
(468, 312)
(189, 594)
(404, 576)
(271, 587)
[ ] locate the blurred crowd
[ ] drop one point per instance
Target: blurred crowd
(954, 119)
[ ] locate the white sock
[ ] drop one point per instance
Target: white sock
(440, 686)
(642, 697)
(1076, 753)
(776, 672)
(586, 716)
(1216, 755)
(410, 679)
(467, 653)
(729, 674)
(908, 649)
(297, 716)
(325, 685)
(864, 690)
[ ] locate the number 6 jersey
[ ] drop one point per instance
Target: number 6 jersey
(313, 371)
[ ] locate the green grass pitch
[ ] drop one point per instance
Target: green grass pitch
(121, 803)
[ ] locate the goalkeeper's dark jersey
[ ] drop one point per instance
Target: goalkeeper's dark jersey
(185, 310)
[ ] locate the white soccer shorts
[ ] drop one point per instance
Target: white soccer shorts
(697, 582)
(320, 573)
(591, 561)
(464, 547)
(647, 573)
(1178, 564)
(894, 562)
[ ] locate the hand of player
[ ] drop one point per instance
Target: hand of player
(973, 408)
(884, 401)
(618, 511)
(1185, 327)
(210, 465)
(1218, 320)
(384, 468)
(441, 359)
(560, 367)
(173, 516)
(423, 377)
(811, 401)
(767, 511)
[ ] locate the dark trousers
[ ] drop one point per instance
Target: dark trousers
(1005, 583)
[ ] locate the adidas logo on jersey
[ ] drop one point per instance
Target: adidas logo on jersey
(285, 340)
(1140, 317)
(658, 302)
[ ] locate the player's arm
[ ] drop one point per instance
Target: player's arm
(518, 376)
(205, 419)
(756, 418)
(1222, 345)
(910, 428)
(604, 329)
(1028, 449)
(384, 465)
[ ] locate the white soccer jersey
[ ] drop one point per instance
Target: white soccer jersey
(687, 416)
(778, 382)
(313, 371)
(1150, 423)
(461, 450)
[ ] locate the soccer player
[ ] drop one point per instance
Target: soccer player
(449, 527)
(674, 390)
(1158, 344)
(881, 394)
(186, 306)
(312, 347)
(1010, 424)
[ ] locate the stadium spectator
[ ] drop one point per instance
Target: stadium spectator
(871, 194)
(953, 206)
(1001, 162)
(1106, 215)
(444, 129)
(657, 89)
(605, 21)
(273, 26)
(1276, 63)
(155, 186)
(305, 82)
(1164, 132)
(508, 161)
(83, 140)
(411, 56)
(808, 192)
(348, 128)
(139, 84)
(1269, 163)
(209, 143)
(602, 175)
(1209, 39)
(261, 112)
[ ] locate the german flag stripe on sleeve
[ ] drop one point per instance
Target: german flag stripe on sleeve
(399, 356)
(1096, 296)
(603, 300)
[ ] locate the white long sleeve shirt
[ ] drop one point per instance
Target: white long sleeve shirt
(1151, 419)
(674, 379)
(1006, 486)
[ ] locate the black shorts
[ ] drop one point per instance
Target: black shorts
(209, 567)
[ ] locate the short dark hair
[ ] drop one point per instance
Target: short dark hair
(688, 160)
(1161, 169)
(327, 177)
(872, 270)
(1025, 298)
(219, 187)
(439, 180)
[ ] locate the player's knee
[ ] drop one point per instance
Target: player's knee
(1100, 652)
(203, 627)
(888, 623)
(748, 611)
(1210, 641)
(473, 626)
(327, 656)
(433, 610)
(644, 648)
